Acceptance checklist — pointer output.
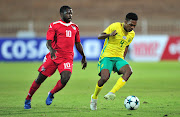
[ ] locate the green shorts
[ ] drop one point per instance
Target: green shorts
(111, 63)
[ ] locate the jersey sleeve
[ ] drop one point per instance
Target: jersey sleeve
(109, 29)
(50, 33)
(77, 37)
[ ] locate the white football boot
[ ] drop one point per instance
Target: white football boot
(110, 96)
(93, 103)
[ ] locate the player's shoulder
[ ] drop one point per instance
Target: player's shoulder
(53, 24)
(59, 22)
(132, 33)
(116, 23)
(73, 24)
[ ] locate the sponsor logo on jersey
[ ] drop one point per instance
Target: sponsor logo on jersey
(129, 40)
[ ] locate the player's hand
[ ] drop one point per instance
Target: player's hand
(53, 54)
(113, 33)
(84, 62)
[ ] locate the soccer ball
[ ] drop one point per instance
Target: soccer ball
(131, 102)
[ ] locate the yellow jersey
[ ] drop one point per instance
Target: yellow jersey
(114, 46)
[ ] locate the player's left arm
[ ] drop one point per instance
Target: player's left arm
(126, 50)
(80, 50)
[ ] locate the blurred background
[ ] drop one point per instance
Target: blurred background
(92, 16)
(31, 18)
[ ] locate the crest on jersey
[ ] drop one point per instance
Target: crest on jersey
(129, 40)
(43, 69)
(73, 27)
(124, 37)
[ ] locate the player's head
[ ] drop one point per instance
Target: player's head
(130, 21)
(66, 13)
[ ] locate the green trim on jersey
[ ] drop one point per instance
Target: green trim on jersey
(104, 49)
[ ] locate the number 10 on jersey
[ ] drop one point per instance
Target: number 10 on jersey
(68, 33)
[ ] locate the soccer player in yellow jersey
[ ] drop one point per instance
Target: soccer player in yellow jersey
(117, 37)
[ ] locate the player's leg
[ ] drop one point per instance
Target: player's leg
(105, 68)
(46, 69)
(65, 76)
(41, 78)
(35, 85)
(104, 78)
(126, 70)
(121, 67)
(65, 70)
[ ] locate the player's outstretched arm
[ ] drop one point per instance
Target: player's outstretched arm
(104, 35)
(80, 50)
(52, 51)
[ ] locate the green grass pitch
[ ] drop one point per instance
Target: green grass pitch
(156, 84)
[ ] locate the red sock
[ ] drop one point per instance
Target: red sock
(32, 90)
(58, 87)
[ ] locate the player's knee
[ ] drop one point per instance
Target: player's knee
(64, 81)
(104, 78)
(65, 76)
(129, 73)
(41, 78)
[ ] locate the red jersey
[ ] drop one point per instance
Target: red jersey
(63, 36)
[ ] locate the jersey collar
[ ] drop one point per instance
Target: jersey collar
(63, 23)
(122, 25)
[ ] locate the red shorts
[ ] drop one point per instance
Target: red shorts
(49, 66)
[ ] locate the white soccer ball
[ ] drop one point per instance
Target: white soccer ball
(131, 102)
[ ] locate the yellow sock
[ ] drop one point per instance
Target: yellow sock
(120, 83)
(96, 92)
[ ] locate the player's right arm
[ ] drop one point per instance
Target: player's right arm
(104, 35)
(52, 51)
(109, 31)
(50, 37)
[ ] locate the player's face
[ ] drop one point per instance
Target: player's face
(67, 15)
(130, 25)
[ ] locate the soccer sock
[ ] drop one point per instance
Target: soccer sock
(32, 90)
(120, 83)
(58, 87)
(96, 92)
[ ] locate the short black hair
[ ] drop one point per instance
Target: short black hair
(131, 16)
(63, 8)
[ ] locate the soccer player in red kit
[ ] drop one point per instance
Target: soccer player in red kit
(61, 37)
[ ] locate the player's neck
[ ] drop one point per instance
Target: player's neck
(65, 21)
(124, 28)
